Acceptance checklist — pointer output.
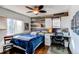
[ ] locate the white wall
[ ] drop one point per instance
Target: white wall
(66, 23)
(11, 14)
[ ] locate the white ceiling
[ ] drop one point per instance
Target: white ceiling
(51, 9)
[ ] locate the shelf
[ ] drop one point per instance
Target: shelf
(3, 29)
(37, 24)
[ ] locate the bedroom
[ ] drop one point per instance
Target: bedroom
(40, 29)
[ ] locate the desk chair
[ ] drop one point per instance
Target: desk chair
(58, 39)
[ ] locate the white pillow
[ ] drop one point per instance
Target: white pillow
(41, 33)
(33, 33)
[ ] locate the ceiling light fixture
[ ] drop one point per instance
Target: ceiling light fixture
(36, 9)
(36, 12)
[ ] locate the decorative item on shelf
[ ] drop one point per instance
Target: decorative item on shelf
(50, 30)
(39, 25)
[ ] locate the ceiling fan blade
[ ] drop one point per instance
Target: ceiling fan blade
(29, 12)
(40, 7)
(42, 11)
(29, 7)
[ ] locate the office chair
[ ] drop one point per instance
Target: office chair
(58, 39)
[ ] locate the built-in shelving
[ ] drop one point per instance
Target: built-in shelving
(37, 24)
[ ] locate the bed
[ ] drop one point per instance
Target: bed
(27, 42)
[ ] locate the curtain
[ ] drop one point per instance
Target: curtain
(14, 26)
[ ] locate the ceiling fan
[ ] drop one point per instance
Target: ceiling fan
(36, 9)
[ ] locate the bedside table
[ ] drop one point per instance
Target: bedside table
(7, 38)
(48, 39)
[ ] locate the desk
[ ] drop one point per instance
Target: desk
(66, 41)
(48, 39)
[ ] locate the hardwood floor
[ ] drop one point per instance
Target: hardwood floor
(42, 50)
(53, 49)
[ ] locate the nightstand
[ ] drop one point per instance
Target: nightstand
(7, 38)
(48, 39)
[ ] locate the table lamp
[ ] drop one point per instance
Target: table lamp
(50, 30)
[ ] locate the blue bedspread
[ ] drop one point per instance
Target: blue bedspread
(29, 42)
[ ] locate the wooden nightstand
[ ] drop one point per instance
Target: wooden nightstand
(7, 38)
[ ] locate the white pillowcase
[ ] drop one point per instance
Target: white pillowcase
(33, 33)
(41, 33)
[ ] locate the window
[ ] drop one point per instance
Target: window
(56, 23)
(14, 26)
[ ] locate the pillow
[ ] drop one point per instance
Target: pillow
(33, 33)
(41, 33)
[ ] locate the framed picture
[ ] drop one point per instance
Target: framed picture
(26, 26)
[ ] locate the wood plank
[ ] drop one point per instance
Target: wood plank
(42, 50)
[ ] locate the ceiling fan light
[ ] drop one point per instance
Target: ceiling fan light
(35, 12)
